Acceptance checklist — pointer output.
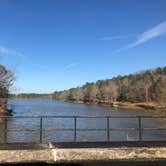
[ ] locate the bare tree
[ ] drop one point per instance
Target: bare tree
(6, 80)
(6, 77)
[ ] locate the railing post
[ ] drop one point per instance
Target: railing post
(5, 131)
(108, 129)
(75, 129)
(140, 128)
(41, 129)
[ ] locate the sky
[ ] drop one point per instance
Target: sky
(57, 44)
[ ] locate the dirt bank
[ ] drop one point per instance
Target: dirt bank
(3, 107)
(143, 105)
(153, 106)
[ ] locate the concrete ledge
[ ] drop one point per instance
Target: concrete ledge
(98, 154)
(80, 152)
(26, 156)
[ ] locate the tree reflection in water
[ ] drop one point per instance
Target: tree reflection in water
(2, 127)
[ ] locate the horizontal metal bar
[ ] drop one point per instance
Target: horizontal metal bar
(85, 129)
(84, 116)
(91, 129)
(153, 129)
(54, 129)
(124, 129)
(47, 129)
(18, 130)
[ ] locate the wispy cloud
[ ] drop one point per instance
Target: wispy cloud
(70, 66)
(118, 37)
(154, 32)
(8, 51)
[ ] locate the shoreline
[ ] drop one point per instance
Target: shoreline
(5, 113)
(144, 106)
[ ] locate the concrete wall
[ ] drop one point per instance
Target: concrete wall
(51, 154)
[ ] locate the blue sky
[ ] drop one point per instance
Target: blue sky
(58, 44)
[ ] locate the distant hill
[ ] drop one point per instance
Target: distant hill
(143, 87)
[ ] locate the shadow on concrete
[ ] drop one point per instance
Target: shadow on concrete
(112, 163)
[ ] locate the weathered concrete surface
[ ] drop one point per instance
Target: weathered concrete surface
(25, 153)
(51, 153)
(94, 154)
(25, 156)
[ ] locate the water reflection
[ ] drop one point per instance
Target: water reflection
(2, 127)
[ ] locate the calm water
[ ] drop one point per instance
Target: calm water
(39, 107)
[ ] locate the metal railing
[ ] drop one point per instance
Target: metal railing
(108, 129)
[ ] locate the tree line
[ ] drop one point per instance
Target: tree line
(145, 86)
(30, 95)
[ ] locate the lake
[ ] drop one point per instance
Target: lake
(48, 107)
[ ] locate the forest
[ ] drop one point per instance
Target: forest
(30, 95)
(142, 87)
